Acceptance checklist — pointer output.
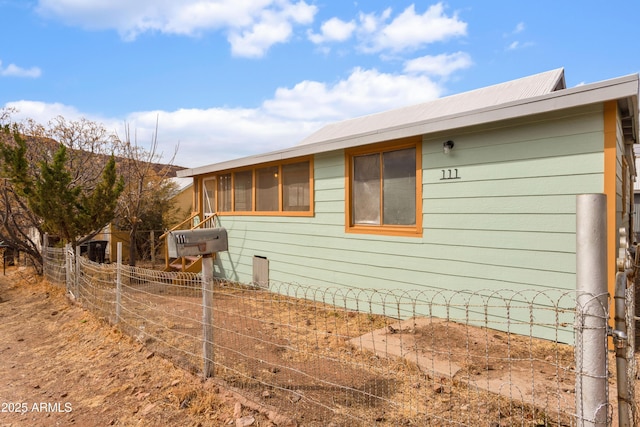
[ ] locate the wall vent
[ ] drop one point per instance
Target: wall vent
(260, 271)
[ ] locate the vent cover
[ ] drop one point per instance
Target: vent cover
(260, 271)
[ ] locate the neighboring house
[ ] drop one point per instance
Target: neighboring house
(111, 235)
(183, 199)
(472, 191)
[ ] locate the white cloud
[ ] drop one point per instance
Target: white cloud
(363, 92)
(333, 30)
(13, 70)
(408, 31)
(252, 25)
(271, 28)
(519, 45)
(439, 65)
(42, 112)
(216, 134)
(212, 135)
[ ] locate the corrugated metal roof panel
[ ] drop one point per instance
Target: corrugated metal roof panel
(527, 87)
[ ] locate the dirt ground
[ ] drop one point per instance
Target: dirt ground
(59, 365)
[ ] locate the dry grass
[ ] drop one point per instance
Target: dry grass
(284, 336)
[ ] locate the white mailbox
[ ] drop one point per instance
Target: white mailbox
(201, 241)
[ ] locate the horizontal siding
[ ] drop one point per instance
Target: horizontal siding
(543, 204)
(543, 134)
(507, 223)
(535, 223)
(507, 240)
(505, 187)
(561, 165)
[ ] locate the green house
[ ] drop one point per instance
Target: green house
(471, 191)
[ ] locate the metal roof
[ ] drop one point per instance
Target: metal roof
(535, 94)
(527, 87)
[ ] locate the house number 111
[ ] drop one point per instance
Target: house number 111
(449, 174)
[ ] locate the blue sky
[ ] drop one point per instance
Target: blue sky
(231, 78)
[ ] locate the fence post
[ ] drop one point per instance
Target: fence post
(45, 255)
(621, 343)
(68, 270)
(118, 281)
(152, 239)
(592, 407)
(207, 316)
(76, 255)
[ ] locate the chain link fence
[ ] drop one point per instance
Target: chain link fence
(346, 357)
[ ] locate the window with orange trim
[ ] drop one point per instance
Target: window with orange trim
(384, 188)
(270, 189)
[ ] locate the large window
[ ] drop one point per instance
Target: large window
(385, 188)
(271, 189)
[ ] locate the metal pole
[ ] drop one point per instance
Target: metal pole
(207, 316)
(591, 310)
(118, 280)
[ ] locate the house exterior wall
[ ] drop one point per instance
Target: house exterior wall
(183, 205)
(507, 222)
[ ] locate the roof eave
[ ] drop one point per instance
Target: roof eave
(626, 87)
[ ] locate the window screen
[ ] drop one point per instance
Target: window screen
(267, 189)
(295, 187)
(224, 192)
(242, 186)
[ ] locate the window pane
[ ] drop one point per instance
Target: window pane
(209, 196)
(295, 187)
(242, 186)
(399, 187)
(267, 189)
(224, 193)
(366, 189)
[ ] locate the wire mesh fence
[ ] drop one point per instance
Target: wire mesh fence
(54, 267)
(352, 356)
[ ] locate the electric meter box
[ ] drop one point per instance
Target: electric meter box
(201, 241)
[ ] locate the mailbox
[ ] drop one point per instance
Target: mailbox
(201, 241)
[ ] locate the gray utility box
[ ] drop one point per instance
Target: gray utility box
(201, 241)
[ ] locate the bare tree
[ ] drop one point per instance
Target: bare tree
(79, 170)
(147, 191)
